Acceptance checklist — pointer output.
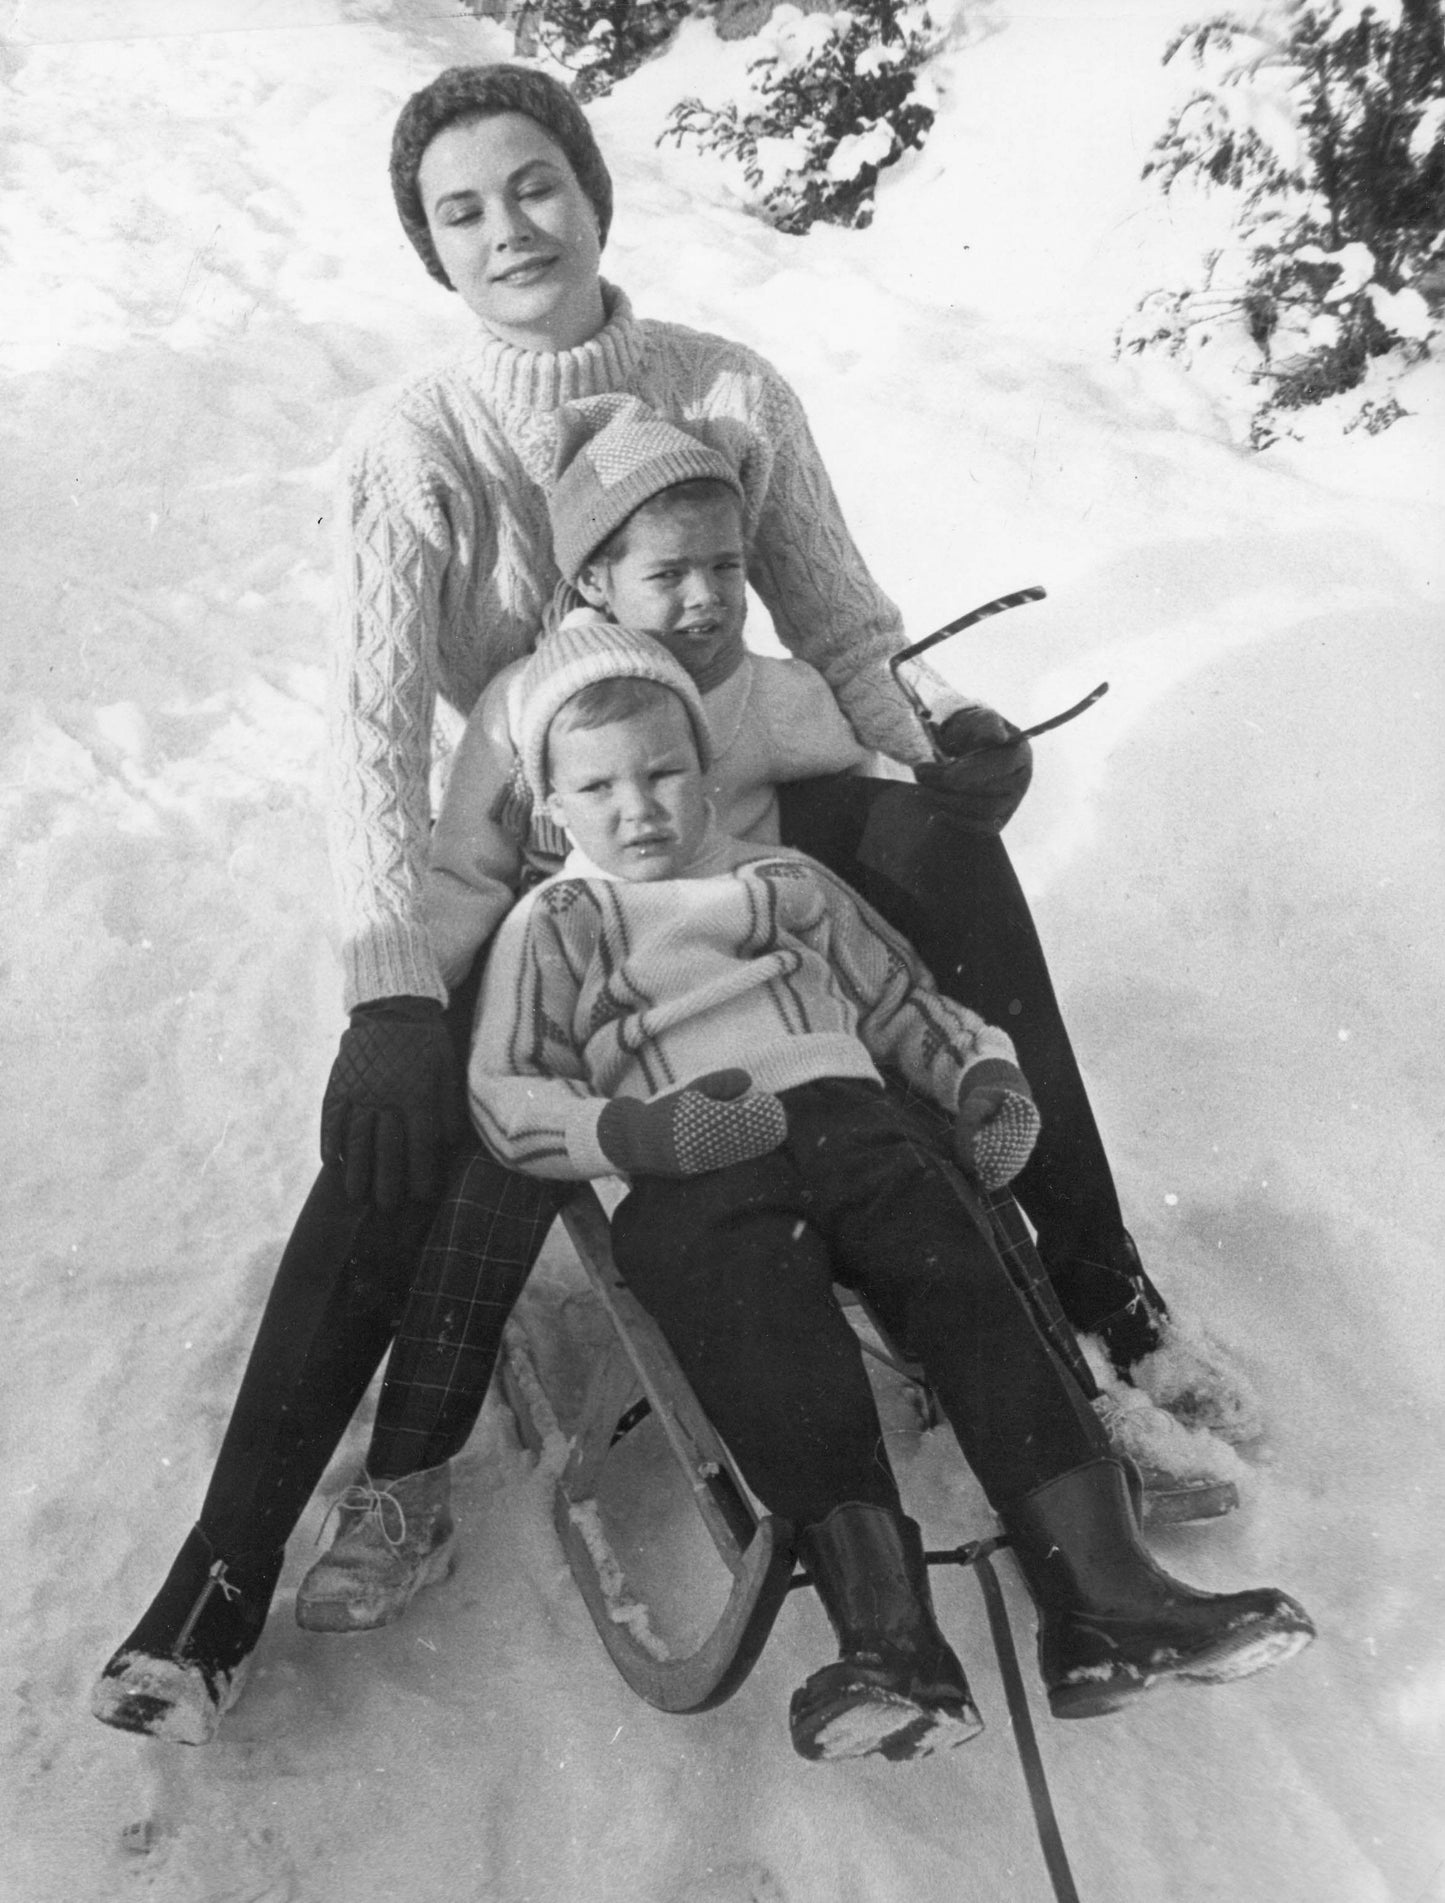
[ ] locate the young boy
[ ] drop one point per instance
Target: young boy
(709, 1017)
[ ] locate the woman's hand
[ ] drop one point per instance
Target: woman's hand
(717, 1120)
(393, 1105)
(985, 771)
(996, 1126)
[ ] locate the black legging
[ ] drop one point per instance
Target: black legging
(338, 1296)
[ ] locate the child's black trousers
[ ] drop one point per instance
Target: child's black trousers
(738, 1266)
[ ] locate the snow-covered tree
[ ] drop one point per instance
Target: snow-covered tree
(602, 41)
(1326, 119)
(835, 99)
(593, 42)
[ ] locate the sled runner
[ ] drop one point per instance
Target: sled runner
(634, 1376)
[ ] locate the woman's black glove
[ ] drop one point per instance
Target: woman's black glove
(983, 789)
(394, 1101)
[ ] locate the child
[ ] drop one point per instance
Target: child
(709, 1018)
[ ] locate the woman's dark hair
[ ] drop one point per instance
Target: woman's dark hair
(479, 92)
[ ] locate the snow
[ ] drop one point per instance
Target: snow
(1235, 859)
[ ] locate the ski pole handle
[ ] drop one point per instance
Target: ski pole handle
(1044, 726)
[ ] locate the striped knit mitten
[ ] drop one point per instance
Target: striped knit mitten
(713, 1121)
(997, 1123)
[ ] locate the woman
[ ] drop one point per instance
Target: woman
(448, 567)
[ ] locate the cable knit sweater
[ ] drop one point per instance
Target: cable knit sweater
(770, 721)
(758, 957)
(447, 568)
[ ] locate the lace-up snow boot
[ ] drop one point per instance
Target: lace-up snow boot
(896, 1688)
(1187, 1475)
(185, 1664)
(393, 1537)
(1112, 1623)
(1191, 1377)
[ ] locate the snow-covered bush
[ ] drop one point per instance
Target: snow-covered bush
(593, 42)
(1326, 120)
(835, 99)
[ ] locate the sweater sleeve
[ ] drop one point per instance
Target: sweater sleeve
(477, 842)
(904, 1021)
(826, 607)
(530, 1100)
(395, 543)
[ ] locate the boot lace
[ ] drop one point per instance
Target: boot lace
(371, 1504)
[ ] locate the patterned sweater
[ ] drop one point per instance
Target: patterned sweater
(770, 721)
(597, 987)
(446, 564)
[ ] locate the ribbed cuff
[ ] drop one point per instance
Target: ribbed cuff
(390, 961)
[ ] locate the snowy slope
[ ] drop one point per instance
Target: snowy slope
(1236, 860)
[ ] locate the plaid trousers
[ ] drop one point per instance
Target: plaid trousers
(483, 1242)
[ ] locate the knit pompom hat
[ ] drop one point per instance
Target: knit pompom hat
(480, 92)
(585, 649)
(614, 454)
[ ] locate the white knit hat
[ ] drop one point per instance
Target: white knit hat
(614, 454)
(584, 649)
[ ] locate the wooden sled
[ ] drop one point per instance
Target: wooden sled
(635, 1376)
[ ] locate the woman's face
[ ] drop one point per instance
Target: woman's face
(515, 232)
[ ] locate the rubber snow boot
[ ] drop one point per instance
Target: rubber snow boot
(1112, 1623)
(393, 1538)
(185, 1664)
(896, 1688)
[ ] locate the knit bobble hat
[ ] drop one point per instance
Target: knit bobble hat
(480, 92)
(614, 454)
(583, 650)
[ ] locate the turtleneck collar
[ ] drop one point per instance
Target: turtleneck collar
(542, 379)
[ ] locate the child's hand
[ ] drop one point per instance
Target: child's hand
(985, 771)
(713, 1121)
(996, 1125)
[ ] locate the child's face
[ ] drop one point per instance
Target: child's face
(631, 793)
(681, 578)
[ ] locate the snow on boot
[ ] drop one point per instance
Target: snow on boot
(393, 1537)
(896, 1689)
(185, 1664)
(1112, 1623)
(1194, 1379)
(1187, 1474)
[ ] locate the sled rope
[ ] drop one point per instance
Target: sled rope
(977, 1555)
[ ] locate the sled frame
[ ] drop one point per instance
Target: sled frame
(637, 1374)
